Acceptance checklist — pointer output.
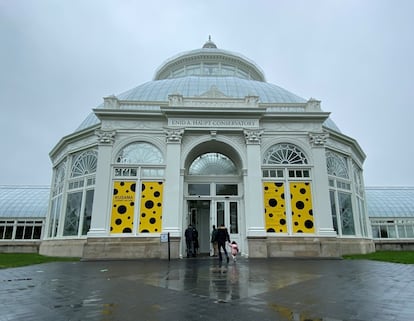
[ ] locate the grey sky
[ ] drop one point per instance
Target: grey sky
(59, 58)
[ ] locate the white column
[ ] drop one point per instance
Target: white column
(173, 184)
(253, 189)
(103, 186)
(320, 190)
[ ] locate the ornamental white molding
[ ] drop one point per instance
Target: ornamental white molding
(105, 137)
(253, 136)
(113, 125)
(313, 105)
(213, 98)
(111, 102)
(318, 139)
(174, 135)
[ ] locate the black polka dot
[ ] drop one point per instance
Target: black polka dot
(266, 188)
(144, 231)
(279, 184)
(156, 194)
(300, 205)
(272, 202)
(270, 214)
(122, 183)
(271, 230)
(308, 224)
(142, 214)
(133, 186)
(149, 204)
(152, 220)
(122, 209)
(118, 221)
(311, 212)
(159, 204)
(282, 221)
(126, 230)
(282, 196)
(115, 191)
(296, 223)
(131, 204)
(302, 191)
(143, 187)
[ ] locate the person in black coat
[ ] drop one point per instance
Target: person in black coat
(222, 237)
(189, 240)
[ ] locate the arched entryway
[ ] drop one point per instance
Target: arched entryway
(213, 192)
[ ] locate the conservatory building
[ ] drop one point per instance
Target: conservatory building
(207, 142)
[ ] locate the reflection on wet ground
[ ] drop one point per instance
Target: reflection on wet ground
(201, 289)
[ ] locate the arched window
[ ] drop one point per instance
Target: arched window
(340, 193)
(284, 154)
(212, 164)
(137, 197)
(56, 205)
(84, 163)
(286, 180)
(337, 165)
(140, 153)
(81, 187)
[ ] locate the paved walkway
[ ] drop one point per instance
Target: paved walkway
(200, 289)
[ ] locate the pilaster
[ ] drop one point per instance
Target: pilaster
(102, 195)
(321, 185)
(253, 195)
(172, 188)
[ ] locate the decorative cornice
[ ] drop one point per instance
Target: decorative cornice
(253, 136)
(318, 139)
(174, 135)
(106, 137)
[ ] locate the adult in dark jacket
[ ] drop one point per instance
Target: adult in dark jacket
(222, 237)
(189, 240)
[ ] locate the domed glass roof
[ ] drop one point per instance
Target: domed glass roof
(193, 86)
(196, 72)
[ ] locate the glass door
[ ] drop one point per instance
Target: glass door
(226, 213)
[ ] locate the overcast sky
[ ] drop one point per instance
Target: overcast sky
(58, 59)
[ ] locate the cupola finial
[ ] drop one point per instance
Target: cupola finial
(209, 43)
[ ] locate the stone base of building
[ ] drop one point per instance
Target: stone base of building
(394, 245)
(112, 248)
(20, 247)
(308, 247)
(130, 248)
(62, 248)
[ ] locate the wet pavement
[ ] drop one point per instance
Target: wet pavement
(201, 289)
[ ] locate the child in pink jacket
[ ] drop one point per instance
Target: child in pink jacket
(234, 250)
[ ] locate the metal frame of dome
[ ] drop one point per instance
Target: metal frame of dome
(209, 53)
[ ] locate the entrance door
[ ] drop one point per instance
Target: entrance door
(227, 214)
(199, 216)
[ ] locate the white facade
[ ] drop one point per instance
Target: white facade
(207, 142)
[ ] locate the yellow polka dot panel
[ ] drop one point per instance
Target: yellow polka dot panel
(123, 205)
(274, 206)
(150, 216)
(301, 203)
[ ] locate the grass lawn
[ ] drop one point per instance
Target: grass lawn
(9, 260)
(405, 257)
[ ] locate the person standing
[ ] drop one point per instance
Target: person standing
(222, 237)
(214, 241)
(189, 240)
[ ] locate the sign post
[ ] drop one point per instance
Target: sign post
(165, 237)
